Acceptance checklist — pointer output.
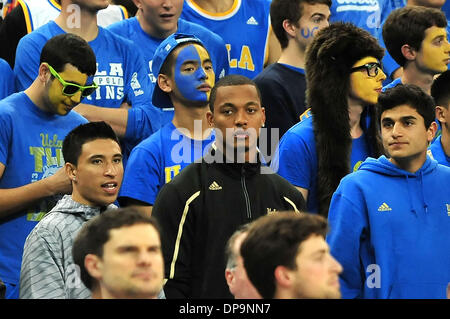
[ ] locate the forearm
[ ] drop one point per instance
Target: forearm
(13, 200)
(117, 118)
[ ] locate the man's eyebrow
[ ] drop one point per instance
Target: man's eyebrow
(440, 36)
(227, 104)
(319, 252)
(409, 117)
(97, 156)
(192, 61)
(403, 118)
(103, 156)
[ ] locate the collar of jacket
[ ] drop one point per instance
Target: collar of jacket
(217, 158)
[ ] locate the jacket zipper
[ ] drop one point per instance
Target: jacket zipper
(247, 198)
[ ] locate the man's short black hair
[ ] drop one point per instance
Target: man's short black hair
(69, 48)
(83, 134)
(407, 25)
(407, 94)
(440, 89)
(231, 80)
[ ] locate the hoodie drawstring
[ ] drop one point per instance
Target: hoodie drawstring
(422, 192)
(410, 196)
(425, 205)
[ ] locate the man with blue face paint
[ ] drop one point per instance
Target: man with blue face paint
(192, 82)
(185, 77)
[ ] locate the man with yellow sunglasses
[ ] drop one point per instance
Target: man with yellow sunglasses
(33, 124)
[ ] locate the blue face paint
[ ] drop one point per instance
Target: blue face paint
(189, 76)
(306, 32)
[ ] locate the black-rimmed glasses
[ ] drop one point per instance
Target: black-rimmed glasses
(371, 68)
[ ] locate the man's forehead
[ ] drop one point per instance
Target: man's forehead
(313, 244)
(191, 51)
(400, 111)
(434, 31)
(232, 91)
(309, 9)
(126, 234)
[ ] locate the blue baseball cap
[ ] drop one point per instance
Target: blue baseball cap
(160, 98)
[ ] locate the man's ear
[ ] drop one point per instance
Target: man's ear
(263, 110)
(409, 52)
(210, 118)
(229, 277)
(431, 132)
(289, 27)
(165, 83)
(93, 265)
(71, 171)
(282, 277)
(44, 73)
(137, 3)
(441, 114)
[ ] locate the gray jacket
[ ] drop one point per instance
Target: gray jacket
(48, 271)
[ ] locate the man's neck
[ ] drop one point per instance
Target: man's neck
(231, 154)
(215, 6)
(411, 75)
(192, 119)
(293, 55)
(355, 110)
(411, 164)
(76, 197)
(35, 93)
(83, 24)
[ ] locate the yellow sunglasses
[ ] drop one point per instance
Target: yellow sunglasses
(70, 89)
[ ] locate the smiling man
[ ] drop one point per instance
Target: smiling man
(202, 206)
(94, 165)
(390, 220)
(33, 125)
(185, 78)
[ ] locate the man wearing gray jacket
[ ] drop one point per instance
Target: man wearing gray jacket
(93, 162)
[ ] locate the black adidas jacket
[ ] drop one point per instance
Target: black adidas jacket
(201, 208)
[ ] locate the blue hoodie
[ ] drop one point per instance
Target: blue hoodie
(390, 230)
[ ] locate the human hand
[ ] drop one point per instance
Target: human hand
(59, 183)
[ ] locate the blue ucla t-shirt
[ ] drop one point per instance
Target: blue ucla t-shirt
(31, 150)
(131, 29)
(296, 158)
(120, 71)
(158, 159)
(245, 29)
(436, 151)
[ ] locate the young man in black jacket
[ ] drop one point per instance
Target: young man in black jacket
(202, 206)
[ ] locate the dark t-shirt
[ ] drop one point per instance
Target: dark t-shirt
(12, 29)
(283, 97)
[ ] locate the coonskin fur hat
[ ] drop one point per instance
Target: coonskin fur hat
(329, 59)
